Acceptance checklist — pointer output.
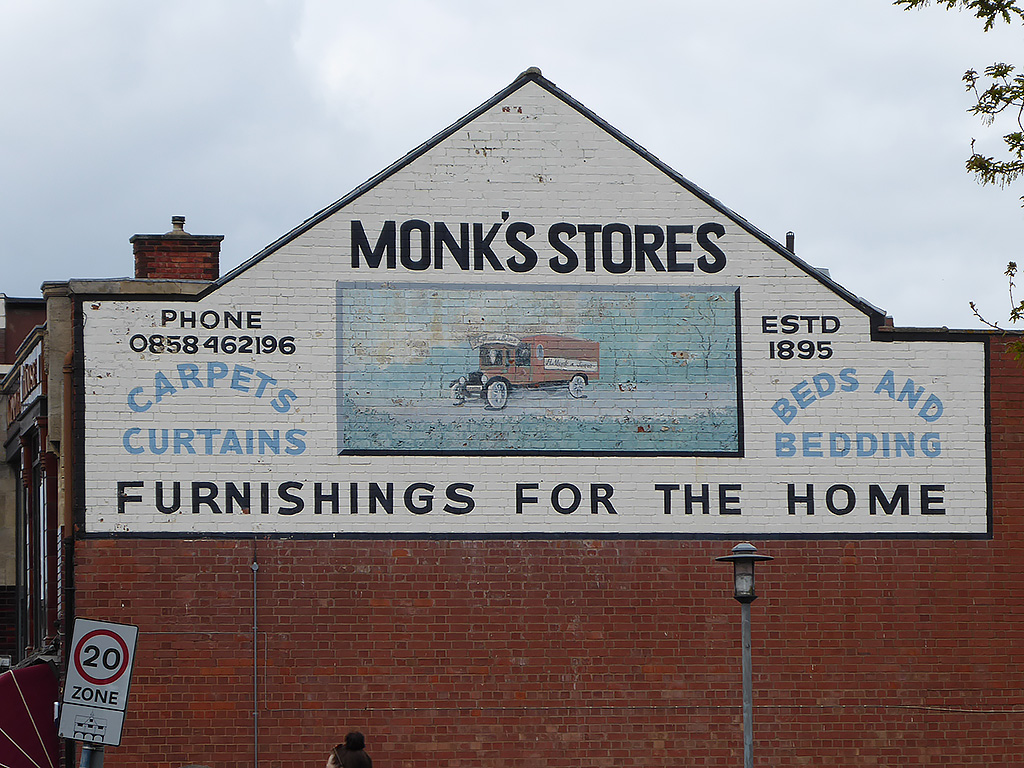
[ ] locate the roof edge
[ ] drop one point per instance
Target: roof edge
(534, 75)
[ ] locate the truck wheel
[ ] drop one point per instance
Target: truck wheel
(497, 393)
(576, 385)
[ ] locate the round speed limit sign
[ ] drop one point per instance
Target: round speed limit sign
(101, 657)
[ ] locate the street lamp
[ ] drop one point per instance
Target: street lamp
(743, 558)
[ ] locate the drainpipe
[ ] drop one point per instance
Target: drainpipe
(67, 449)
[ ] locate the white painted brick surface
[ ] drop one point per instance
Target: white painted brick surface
(543, 163)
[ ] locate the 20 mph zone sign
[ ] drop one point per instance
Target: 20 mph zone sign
(96, 688)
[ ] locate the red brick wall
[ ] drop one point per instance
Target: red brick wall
(578, 652)
(177, 257)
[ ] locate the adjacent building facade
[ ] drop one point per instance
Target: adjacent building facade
(450, 464)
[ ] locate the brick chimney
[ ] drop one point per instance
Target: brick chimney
(177, 255)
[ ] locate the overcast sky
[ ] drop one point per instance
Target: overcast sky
(843, 121)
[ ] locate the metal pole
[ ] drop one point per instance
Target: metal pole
(92, 756)
(748, 693)
(255, 666)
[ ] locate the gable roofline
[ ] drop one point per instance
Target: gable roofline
(533, 75)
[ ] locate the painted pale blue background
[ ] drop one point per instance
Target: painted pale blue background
(668, 379)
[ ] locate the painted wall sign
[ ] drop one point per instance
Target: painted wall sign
(29, 385)
(613, 354)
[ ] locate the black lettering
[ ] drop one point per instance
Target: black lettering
(233, 497)
(807, 500)
(717, 262)
(674, 247)
(204, 493)
(374, 256)
(529, 260)
(522, 498)
(830, 499)
(175, 505)
(284, 492)
(900, 497)
(589, 232)
(930, 498)
(667, 490)
(647, 249)
(319, 497)
(405, 245)
(460, 250)
(703, 498)
(123, 497)
(482, 247)
(601, 495)
(608, 248)
(554, 238)
(459, 494)
(419, 505)
(727, 497)
(384, 499)
(556, 502)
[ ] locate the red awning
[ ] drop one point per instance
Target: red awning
(28, 734)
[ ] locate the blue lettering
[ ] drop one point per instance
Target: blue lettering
(812, 444)
(163, 386)
(283, 403)
(134, 405)
(231, 443)
(887, 385)
(867, 444)
(911, 393)
(931, 410)
(849, 378)
(931, 445)
(785, 444)
(188, 374)
(297, 444)
(824, 384)
(241, 378)
(162, 447)
(126, 441)
(838, 444)
(214, 372)
(183, 441)
(802, 395)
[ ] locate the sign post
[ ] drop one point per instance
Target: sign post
(96, 687)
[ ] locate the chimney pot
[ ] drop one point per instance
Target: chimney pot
(177, 226)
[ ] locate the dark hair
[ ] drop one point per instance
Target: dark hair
(354, 740)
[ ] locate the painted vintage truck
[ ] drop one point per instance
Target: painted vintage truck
(508, 362)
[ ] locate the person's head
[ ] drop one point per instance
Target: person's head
(354, 740)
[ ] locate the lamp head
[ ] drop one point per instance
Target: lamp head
(743, 558)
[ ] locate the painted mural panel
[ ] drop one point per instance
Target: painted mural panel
(552, 369)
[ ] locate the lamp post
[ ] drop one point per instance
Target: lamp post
(743, 558)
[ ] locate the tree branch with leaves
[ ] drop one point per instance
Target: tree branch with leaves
(998, 92)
